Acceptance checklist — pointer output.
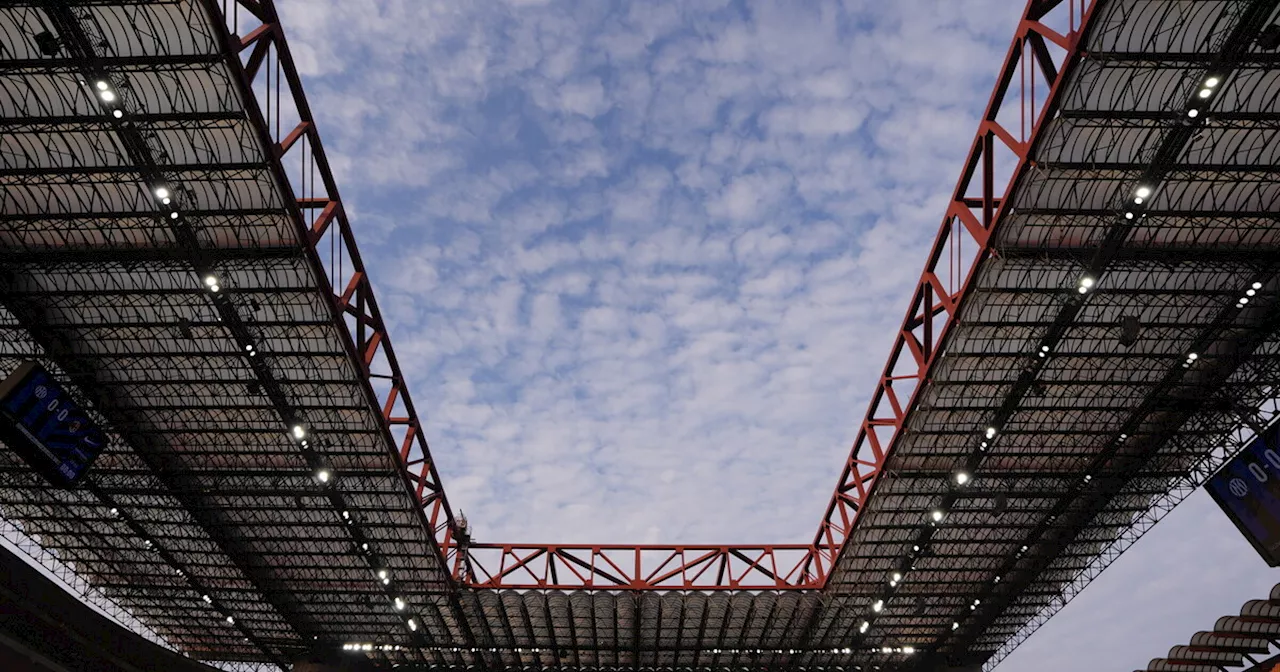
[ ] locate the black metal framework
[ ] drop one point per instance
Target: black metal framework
(164, 262)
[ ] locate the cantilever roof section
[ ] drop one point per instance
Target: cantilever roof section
(100, 285)
(1030, 530)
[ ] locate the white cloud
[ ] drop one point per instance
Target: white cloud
(584, 97)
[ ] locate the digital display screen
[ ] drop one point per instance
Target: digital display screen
(40, 421)
(1248, 490)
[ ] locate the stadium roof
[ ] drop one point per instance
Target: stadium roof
(186, 264)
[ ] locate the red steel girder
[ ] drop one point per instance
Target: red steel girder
(622, 567)
(1010, 127)
(298, 155)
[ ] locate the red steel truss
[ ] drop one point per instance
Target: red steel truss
(1024, 93)
(574, 567)
(1044, 47)
(268, 71)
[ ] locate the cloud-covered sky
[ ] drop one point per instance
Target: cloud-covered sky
(642, 261)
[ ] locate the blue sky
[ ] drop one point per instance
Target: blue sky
(642, 262)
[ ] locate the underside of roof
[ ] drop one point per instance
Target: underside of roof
(200, 326)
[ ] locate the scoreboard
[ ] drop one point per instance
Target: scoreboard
(43, 424)
(1248, 490)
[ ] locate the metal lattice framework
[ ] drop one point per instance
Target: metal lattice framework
(173, 245)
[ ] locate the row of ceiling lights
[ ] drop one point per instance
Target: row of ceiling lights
(1086, 284)
(321, 471)
(111, 102)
